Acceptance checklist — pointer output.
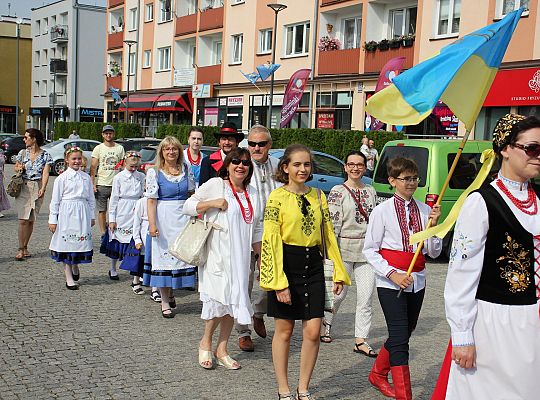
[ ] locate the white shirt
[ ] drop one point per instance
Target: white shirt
(140, 221)
(384, 232)
(127, 185)
(71, 185)
(467, 259)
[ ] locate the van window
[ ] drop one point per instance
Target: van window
(419, 154)
(467, 168)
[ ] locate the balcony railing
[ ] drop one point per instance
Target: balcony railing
(59, 33)
(186, 24)
(57, 100)
(329, 2)
(115, 82)
(209, 74)
(58, 66)
(339, 62)
(114, 3)
(211, 19)
(375, 60)
(116, 40)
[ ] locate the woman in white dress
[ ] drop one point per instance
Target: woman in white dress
(223, 286)
(71, 217)
(492, 288)
(168, 185)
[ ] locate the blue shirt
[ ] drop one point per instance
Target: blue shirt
(33, 171)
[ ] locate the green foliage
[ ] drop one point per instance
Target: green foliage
(92, 130)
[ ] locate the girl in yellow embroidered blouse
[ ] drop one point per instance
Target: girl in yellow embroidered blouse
(292, 265)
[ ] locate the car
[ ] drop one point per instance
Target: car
(136, 144)
(56, 150)
(148, 155)
(11, 147)
(328, 170)
(434, 158)
(4, 135)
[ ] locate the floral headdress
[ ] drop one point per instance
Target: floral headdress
(72, 149)
(134, 154)
(503, 135)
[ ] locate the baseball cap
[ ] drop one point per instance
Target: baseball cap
(107, 128)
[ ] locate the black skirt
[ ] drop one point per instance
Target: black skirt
(303, 267)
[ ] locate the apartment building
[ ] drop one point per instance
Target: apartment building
(67, 63)
(188, 57)
(16, 51)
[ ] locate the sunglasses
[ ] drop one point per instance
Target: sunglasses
(532, 150)
(237, 161)
(255, 144)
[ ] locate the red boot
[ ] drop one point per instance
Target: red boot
(378, 376)
(402, 382)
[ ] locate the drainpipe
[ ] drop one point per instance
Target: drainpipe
(137, 46)
(75, 49)
(313, 49)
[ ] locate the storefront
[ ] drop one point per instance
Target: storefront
(87, 114)
(258, 111)
(334, 110)
(8, 114)
(216, 110)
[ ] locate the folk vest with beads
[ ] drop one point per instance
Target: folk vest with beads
(508, 271)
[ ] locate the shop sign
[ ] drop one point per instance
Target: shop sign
(223, 101)
(447, 122)
(325, 120)
(202, 91)
(277, 99)
(515, 87)
(184, 76)
(257, 101)
(210, 117)
(7, 109)
(236, 101)
(91, 112)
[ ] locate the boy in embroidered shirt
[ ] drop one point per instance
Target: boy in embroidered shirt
(387, 249)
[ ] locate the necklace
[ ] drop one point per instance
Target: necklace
(191, 160)
(523, 205)
(247, 213)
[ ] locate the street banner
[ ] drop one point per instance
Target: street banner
(293, 95)
(391, 69)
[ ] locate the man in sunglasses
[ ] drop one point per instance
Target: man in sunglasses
(228, 139)
(264, 170)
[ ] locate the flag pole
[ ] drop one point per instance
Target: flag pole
(443, 190)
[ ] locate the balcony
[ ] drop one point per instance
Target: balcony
(330, 2)
(186, 24)
(58, 66)
(115, 82)
(59, 34)
(115, 3)
(211, 19)
(115, 40)
(339, 62)
(57, 100)
(209, 74)
(375, 60)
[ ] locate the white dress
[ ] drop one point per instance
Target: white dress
(140, 222)
(507, 337)
(72, 209)
(128, 187)
(223, 280)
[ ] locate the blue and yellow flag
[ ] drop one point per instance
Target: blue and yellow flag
(460, 75)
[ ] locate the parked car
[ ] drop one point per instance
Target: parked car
(11, 147)
(328, 170)
(434, 158)
(6, 135)
(56, 150)
(137, 144)
(148, 155)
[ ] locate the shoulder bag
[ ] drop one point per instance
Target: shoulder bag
(328, 266)
(360, 208)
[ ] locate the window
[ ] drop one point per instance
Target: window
(352, 28)
(402, 21)
(53, 20)
(36, 89)
(63, 18)
(217, 46)
(164, 59)
(325, 165)
(165, 10)
(36, 58)
(37, 28)
(297, 39)
(132, 64)
(132, 19)
(149, 12)
(208, 4)
(236, 48)
(192, 49)
(45, 57)
(448, 16)
(147, 59)
(52, 53)
(45, 26)
(43, 88)
(265, 41)
(507, 6)
(238, 1)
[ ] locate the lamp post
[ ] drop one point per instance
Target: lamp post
(18, 22)
(129, 44)
(276, 7)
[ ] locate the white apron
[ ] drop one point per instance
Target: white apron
(73, 231)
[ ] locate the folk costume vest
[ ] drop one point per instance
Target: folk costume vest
(508, 271)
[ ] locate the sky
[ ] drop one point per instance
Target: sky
(21, 8)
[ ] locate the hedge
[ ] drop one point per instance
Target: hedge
(92, 130)
(331, 141)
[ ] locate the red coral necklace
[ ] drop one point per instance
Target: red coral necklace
(523, 205)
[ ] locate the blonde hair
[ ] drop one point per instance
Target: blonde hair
(166, 142)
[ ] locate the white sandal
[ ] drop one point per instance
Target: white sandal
(206, 356)
(228, 362)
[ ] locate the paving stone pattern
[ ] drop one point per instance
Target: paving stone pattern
(104, 342)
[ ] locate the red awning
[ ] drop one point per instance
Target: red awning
(515, 87)
(181, 102)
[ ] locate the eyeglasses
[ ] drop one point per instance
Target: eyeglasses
(237, 161)
(255, 144)
(353, 165)
(532, 150)
(410, 179)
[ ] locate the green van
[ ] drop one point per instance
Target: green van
(434, 158)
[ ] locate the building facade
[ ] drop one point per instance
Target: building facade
(15, 41)
(188, 58)
(67, 63)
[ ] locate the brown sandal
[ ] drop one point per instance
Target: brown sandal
(26, 253)
(20, 254)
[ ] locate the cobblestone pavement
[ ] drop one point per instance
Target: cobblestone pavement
(104, 342)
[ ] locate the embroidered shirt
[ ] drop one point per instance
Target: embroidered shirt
(71, 185)
(264, 178)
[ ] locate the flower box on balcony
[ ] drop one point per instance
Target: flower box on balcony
(383, 45)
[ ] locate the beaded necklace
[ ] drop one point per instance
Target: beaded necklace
(523, 205)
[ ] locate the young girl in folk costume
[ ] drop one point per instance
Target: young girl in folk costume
(71, 217)
(387, 249)
(128, 187)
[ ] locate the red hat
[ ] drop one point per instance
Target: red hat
(229, 129)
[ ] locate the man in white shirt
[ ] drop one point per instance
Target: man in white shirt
(74, 135)
(193, 154)
(265, 166)
(373, 157)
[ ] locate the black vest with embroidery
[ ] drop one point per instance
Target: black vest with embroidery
(508, 271)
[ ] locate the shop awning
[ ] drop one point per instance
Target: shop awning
(181, 102)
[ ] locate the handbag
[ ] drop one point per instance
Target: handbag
(328, 266)
(15, 185)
